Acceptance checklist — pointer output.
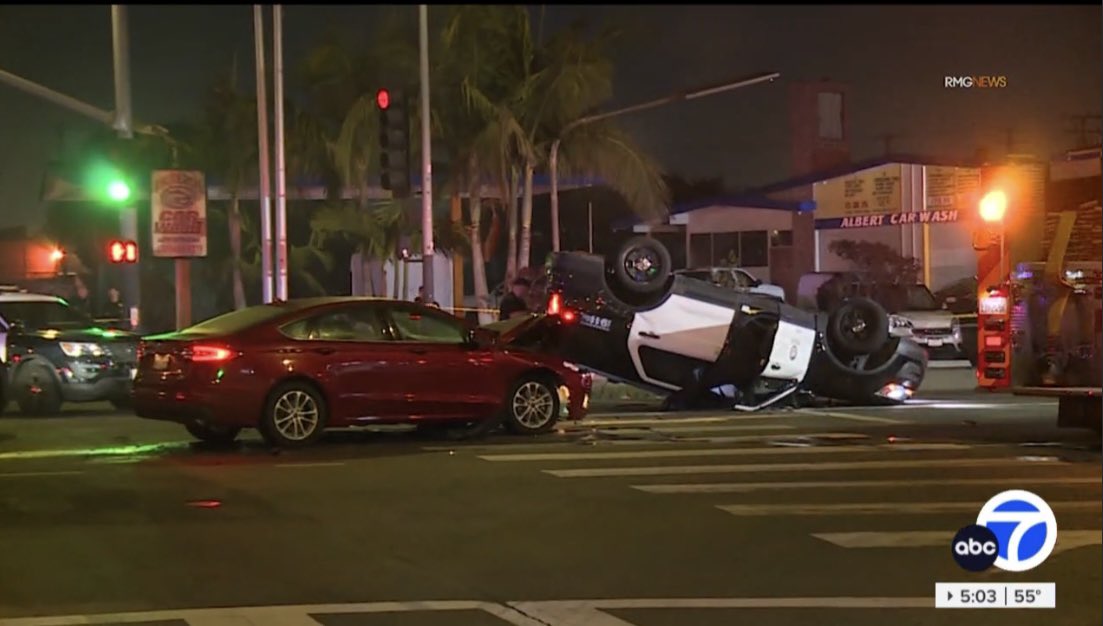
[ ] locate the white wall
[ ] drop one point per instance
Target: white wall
(442, 279)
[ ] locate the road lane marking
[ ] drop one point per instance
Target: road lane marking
(674, 470)
(1066, 539)
(635, 419)
(317, 464)
(104, 451)
(674, 454)
(299, 615)
(519, 613)
(879, 508)
(855, 484)
(704, 429)
(852, 417)
(36, 474)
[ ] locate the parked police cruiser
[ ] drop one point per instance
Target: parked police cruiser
(53, 353)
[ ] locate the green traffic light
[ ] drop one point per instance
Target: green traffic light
(118, 191)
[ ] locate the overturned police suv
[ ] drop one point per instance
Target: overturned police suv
(632, 319)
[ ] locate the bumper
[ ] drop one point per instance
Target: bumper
(574, 401)
(183, 407)
(81, 384)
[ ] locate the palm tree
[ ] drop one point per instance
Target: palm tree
(228, 147)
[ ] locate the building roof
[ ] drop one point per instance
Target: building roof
(730, 201)
(850, 168)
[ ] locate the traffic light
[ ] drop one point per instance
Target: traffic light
(394, 141)
(122, 252)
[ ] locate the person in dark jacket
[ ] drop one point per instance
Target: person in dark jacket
(514, 303)
(114, 309)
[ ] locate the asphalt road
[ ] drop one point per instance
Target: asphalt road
(823, 516)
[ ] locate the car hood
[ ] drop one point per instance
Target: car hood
(928, 319)
(90, 335)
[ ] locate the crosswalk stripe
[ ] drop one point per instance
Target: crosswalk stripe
(711, 452)
(879, 508)
(850, 416)
(715, 429)
(674, 470)
(1066, 539)
(854, 484)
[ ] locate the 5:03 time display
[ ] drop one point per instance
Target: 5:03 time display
(979, 596)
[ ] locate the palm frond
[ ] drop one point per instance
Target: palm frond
(601, 150)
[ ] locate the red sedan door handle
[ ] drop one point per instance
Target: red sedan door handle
(419, 350)
(324, 350)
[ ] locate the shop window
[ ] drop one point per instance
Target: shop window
(754, 248)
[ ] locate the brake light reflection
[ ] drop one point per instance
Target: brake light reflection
(555, 303)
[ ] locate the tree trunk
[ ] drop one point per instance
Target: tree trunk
(524, 253)
(511, 222)
(478, 262)
(233, 220)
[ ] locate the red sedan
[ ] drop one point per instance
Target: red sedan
(292, 369)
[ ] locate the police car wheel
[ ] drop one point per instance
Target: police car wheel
(642, 265)
(858, 326)
(36, 392)
(532, 406)
(212, 433)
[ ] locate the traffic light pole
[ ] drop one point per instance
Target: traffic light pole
(123, 124)
(426, 159)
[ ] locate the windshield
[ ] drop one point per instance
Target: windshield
(236, 321)
(44, 314)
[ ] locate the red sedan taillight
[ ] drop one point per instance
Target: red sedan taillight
(203, 353)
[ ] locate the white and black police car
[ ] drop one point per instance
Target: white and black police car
(632, 319)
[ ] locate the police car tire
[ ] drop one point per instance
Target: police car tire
(873, 337)
(47, 401)
(661, 276)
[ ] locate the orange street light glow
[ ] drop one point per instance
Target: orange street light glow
(993, 206)
(56, 255)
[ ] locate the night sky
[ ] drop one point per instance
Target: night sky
(894, 58)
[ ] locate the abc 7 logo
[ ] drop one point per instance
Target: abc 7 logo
(1016, 531)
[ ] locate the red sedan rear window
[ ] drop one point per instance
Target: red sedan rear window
(236, 321)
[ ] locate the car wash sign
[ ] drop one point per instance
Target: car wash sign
(876, 197)
(179, 218)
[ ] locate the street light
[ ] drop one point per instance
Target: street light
(553, 158)
(993, 206)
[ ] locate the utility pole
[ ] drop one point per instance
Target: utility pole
(123, 124)
(281, 167)
(1009, 133)
(553, 159)
(265, 190)
(426, 159)
(887, 140)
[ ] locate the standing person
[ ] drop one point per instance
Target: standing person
(114, 309)
(514, 304)
(420, 299)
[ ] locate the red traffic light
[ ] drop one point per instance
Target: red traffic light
(383, 99)
(122, 252)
